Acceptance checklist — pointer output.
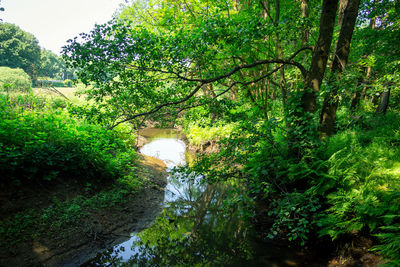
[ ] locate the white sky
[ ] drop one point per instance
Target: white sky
(53, 22)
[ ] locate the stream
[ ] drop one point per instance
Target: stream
(200, 224)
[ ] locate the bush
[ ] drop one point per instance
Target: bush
(48, 144)
(14, 80)
(198, 135)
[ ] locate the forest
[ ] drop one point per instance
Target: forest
(294, 105)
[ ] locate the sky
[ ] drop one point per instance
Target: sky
(53, 22)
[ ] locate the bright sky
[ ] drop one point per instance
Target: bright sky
(53, 22)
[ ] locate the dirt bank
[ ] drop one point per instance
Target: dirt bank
(96, 230)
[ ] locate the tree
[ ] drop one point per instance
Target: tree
(50, 64)
(376, 52)
(161, 60)
(341, 55)
(19, 49)
(197, 52)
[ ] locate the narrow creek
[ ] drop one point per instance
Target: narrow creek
(200, 224)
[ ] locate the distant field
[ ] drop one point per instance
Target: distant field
(69, 92)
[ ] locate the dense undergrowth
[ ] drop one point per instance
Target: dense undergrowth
(344, 185)
(43, 145)
(362, 184)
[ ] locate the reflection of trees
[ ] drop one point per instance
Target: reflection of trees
(202, 229)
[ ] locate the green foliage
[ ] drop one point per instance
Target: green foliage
(45, 82)
(198, 135)
(61, 214)
(47, 144)
(390, 238)
(362, 186)
(15, 103)
(161, 53)
(294, 217)
(19, 226)
(58, 103)
(68, 83)
(51, 65)
(19, 49)
(14, 80)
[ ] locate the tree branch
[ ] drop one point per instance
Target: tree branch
(221, 77)
(157, 108)
(288, 61)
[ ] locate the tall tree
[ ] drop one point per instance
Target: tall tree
(50, 64)
(19, 49)
(376, 51)
(320, 55)
(340, 57)
(232, 47)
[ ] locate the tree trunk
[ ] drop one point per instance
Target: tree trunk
(320, 55)
(342, 51)
(305, 13)
(384, 103)
(282, 80)
(313, 79)
(361, 95)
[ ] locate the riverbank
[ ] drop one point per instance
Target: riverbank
(85, 228)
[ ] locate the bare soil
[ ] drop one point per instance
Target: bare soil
(77, 243)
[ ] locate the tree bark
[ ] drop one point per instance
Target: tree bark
(320, 55)
(313, 78)
(305, 13)
(342, 51)
(384, 103)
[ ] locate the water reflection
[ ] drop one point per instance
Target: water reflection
(171, 151)
(202, 229)
(200, 224)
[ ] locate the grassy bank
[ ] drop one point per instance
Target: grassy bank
(61, 172)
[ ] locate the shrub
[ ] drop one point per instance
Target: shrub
(198, 135)
(47, 144)
(14, 80)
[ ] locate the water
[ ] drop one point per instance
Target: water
(200, 225)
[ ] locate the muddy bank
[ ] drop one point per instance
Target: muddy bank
(101, 228)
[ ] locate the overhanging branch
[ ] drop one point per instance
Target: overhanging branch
(288, 61)
(202, 82)
(157, 108)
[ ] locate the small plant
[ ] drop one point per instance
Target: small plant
(294, 217)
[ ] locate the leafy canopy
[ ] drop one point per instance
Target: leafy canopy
(19, 49)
